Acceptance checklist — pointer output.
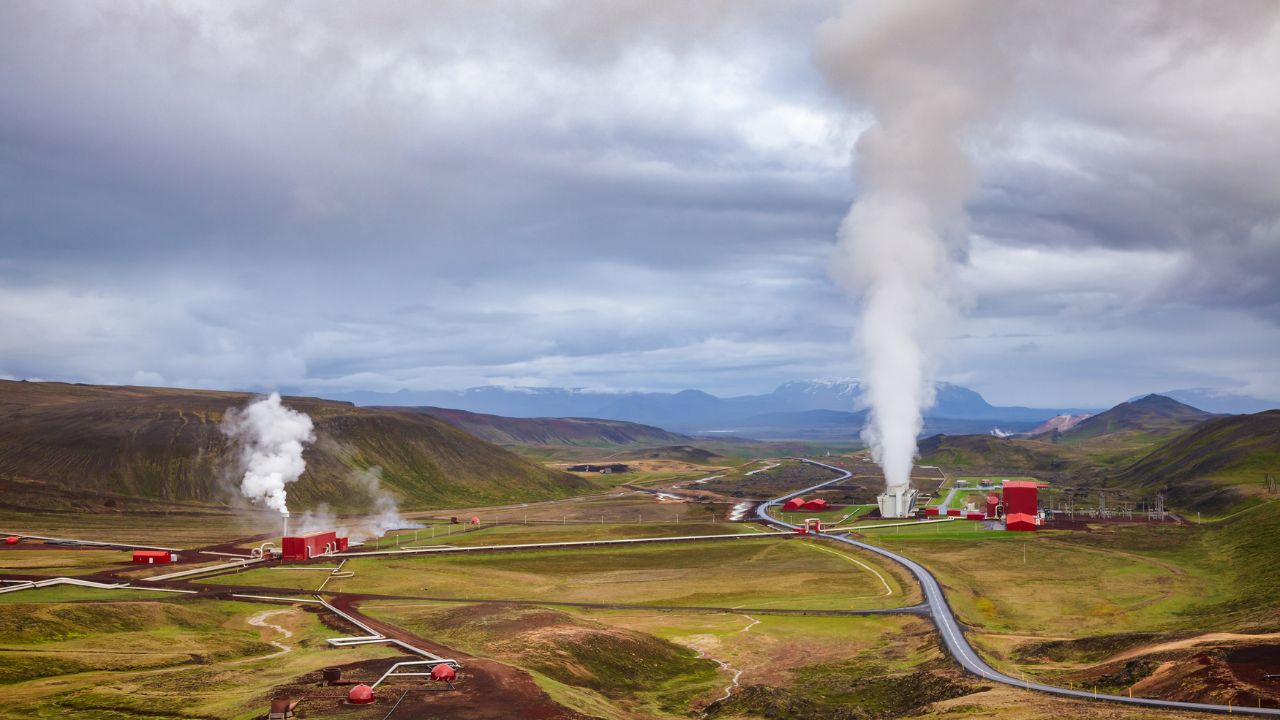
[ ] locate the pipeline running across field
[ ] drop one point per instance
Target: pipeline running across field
(953, 634)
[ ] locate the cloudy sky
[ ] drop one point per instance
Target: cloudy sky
(623, 195)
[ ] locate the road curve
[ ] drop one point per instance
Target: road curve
(953, 634)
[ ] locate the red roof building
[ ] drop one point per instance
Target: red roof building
(152, 557)
(794, 503)
(305, 547)
(819, 504)
(1021, 522)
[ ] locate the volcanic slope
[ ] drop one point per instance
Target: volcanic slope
(1150, 416)
(574, 432)
(85, 447)
(1214, 467)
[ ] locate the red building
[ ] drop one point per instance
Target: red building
(953, 512)
(1020, 497)
(794, 503)
(303, 547)
(931, 512)
(975, 516)
(343, 544)
(1021, 522)
(153, 557)
(820, 504)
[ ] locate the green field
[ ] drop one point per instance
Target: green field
(750, 573)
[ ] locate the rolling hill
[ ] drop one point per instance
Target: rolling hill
(93, 447)
(564, 432)
(1146, 417)
(1215, 467)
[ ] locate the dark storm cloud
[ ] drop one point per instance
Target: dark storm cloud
(624, 194)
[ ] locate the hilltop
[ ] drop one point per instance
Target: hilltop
(1149, 416)
(89, 447)
(571, 432)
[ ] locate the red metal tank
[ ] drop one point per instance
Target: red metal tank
(794, 503)
(360, 695)
(993, 502)
(443, 673)
(11, 540)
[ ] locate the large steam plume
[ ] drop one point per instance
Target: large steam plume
(926, 70)
(271, 438)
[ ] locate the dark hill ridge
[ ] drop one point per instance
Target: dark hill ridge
(1151, 415)
(84, 445)
(1215, 466)
(573, 432)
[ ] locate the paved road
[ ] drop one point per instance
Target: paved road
(953, 634)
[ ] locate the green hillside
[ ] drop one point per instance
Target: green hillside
(1215, 467)
(1148, 417)
(567, 432)
(93, 447)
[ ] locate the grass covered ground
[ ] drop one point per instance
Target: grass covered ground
(179, 658)
(780, 573)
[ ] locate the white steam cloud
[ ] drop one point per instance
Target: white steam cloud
(384, 511)
(271, 438)
(926, 71)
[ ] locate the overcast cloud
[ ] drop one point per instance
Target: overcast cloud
(616, 195)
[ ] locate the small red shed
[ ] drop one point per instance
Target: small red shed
(794, 503)
(152, 557)
(931, 512)
(975, 516)
(818, 504)
(954, 512)
(343, 544)
(1021, 522)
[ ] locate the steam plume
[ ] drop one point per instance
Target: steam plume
(271, 438)
(364, 487)
(925, 70)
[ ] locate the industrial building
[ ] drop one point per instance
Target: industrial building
(898, 503)
(606, 469)
(305, 547)
(818, 504)
(1021, 505)
(794, 503)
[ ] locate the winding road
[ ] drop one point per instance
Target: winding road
(953, 634)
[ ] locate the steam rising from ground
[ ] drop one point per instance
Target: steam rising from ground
(271, 438)
(366, 487)
(926, 70)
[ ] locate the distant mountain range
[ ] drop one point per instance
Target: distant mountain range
(802, 409)
(1221, 403)
(554, 432)
(1154, 415)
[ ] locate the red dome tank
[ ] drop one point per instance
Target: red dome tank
(443, 673)
(475, 520)
(360, 695)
